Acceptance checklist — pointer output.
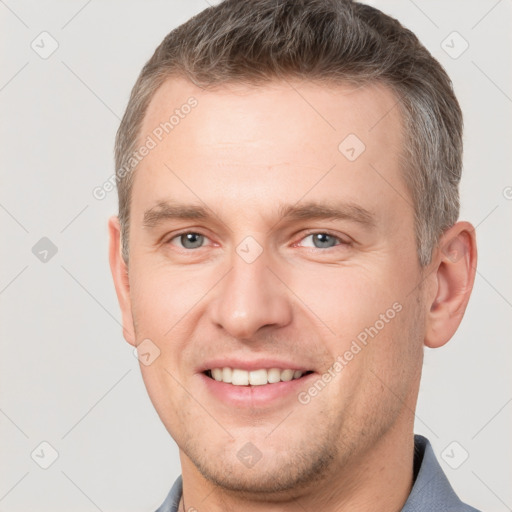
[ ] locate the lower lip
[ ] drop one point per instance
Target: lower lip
(255, 396)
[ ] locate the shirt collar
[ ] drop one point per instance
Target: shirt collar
(431, 489)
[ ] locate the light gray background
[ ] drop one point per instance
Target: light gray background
(66, 375)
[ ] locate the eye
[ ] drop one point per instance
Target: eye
(324, 240)
(188, 240)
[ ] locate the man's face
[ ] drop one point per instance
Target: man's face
(253, 289)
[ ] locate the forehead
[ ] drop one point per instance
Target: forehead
(369, 110)
(242, 142)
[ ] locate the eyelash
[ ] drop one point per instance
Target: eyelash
(341, 241)
(323, 232)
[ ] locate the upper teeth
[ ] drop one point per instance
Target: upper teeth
(255, 377)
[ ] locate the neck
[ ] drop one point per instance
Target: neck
(382, 474)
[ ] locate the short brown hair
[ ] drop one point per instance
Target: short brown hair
(256, 41)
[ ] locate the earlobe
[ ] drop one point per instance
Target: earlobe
(120, 276)
(452, 276)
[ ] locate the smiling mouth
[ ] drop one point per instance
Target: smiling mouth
(261, 377)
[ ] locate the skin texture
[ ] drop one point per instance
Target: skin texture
(241, 153)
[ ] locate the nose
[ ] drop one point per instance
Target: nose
(250, 297)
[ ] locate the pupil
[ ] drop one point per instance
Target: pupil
(322, 239)
(191, 240)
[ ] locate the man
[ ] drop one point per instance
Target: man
(287, 243)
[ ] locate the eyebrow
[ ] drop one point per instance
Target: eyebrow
(165, 210)
(343, 211)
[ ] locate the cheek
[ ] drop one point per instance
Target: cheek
(162, 296)
(348, 299)
(396, 354)
(163, 301)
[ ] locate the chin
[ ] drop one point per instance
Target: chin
(277, 474)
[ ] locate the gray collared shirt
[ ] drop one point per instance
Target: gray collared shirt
(431, 491)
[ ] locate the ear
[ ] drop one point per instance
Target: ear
(119, 271)
(452, 275)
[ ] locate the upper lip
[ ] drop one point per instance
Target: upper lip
(254, 364)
